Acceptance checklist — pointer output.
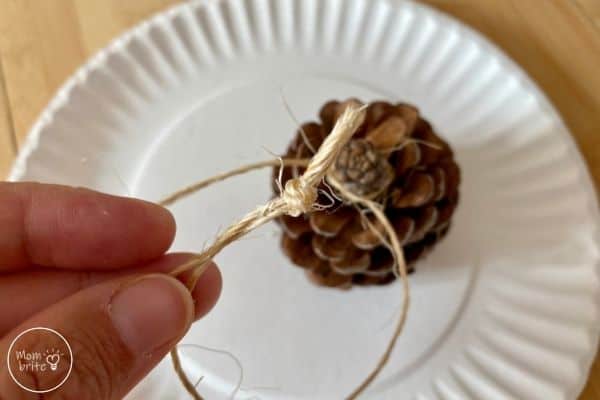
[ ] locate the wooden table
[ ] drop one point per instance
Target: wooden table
(556, 41)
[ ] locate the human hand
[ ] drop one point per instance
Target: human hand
(92, 267)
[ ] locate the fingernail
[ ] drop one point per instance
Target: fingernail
(151, 312)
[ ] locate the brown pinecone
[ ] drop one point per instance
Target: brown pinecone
(394, 158)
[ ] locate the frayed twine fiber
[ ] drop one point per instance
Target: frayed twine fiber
(298, 197)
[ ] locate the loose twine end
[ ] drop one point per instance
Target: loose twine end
(298, 197)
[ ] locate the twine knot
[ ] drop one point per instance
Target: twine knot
(299, 197)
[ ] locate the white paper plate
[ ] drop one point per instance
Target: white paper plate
(507, 307)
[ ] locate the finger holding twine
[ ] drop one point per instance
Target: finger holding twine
(298, 197)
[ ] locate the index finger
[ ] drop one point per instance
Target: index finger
(75, 228)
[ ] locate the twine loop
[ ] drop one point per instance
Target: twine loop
(299, 197)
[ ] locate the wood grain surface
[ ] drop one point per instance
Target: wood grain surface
(556, 41)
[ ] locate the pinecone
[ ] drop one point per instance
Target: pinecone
(394, 158)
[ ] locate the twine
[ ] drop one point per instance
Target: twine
(298, 197)
(290, 162)
(400, 271)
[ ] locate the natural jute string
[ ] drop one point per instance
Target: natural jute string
(292, 162)
(298, 197)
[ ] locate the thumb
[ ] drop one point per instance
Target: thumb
(118, 331)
